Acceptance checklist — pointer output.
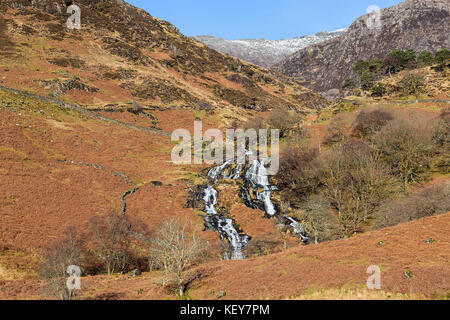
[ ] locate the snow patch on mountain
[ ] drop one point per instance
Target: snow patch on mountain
(265, 52)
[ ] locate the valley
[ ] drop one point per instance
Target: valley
(87, 175)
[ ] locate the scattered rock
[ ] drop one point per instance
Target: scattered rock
(408, 274)
(63, 87)
(135, 273)
(221, 294)
(195, 199)
(332, 94)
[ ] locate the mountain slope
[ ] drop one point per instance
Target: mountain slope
(265, 52)
(122, 53)
(96, 117)
(334, 270)
(413, 24)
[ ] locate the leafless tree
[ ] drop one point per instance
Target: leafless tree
(175, 248)
(300, 173)
(256, 123)
(110, 241)
(318, 219)
(336, 132)
(406, 146)
(355, 184)
(284, 232)
(370, 122)
(283, 120)
(441, 134)
(65, 253)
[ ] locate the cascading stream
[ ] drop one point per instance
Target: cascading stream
(214, 221)
(256, 193)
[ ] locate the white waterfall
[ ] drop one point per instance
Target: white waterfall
(258, 178)
(256, 183)
(223, 225)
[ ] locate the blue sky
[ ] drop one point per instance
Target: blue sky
(270, 19)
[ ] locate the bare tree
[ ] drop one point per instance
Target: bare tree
(283, 120)
(175, 248)
(318, 219)
(441, 134)
(406, 146)
(355, 184)
(370, 122)
(300, 174)
(284, 232)
(110, 241)
(336, 132)
(66, 253)
(256, 123)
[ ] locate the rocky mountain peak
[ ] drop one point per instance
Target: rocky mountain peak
(412, 24)
(265, 52)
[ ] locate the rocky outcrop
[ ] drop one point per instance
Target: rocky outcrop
(263, 52)
(413, 24)
(61, 87)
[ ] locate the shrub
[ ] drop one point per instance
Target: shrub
(58, 258)
(110, 241)
(379, 90)
(428, 202)
(412, 83)
(425, 58)
(283, 120)
(300, 173)
(406, 146)
(367, 123)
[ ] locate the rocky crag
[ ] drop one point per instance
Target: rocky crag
(413, 24)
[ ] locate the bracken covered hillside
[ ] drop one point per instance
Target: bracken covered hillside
(413, 24)
(122, 53)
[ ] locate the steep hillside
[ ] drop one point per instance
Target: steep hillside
(265, 52)
(122, 54)
(335, 270)
(413, 24)
(86, 116)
